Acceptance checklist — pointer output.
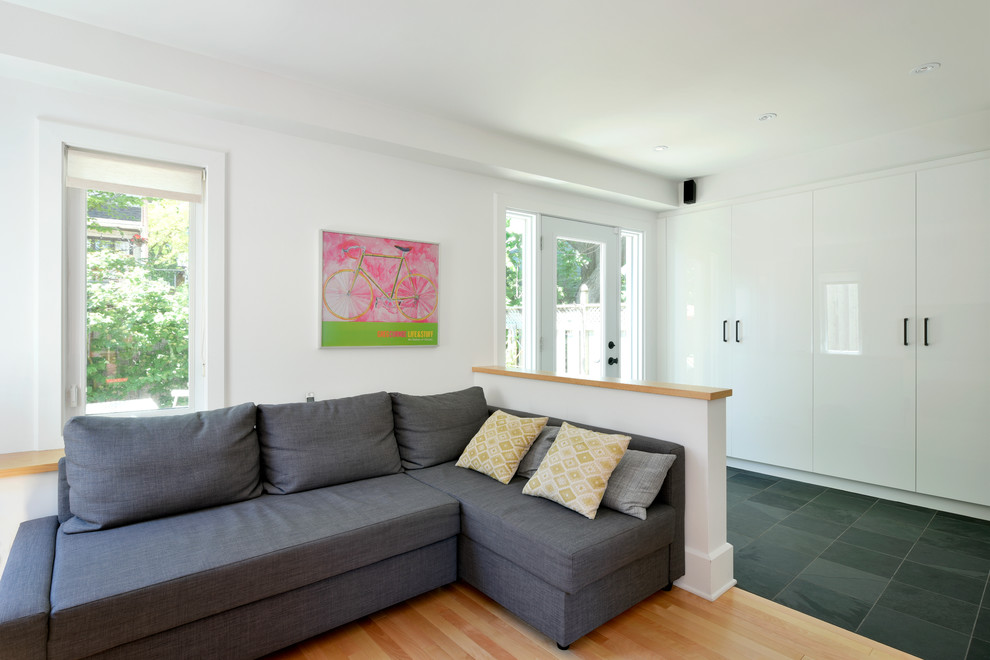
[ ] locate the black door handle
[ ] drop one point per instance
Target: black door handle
(926, 331)
(612, 360)
(725, 331)
(737, 332)
(905, 332)
(611, 344)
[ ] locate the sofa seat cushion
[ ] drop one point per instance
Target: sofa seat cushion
(118, 585)
(560, 546)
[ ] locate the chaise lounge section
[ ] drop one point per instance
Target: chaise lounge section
(561, 573)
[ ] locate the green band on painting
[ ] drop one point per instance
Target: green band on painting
(358, 333)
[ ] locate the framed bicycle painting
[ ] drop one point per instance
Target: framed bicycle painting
(378, 291)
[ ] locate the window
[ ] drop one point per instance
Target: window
(573, 297)
(135, 317)
(133, 301)
(520, 293)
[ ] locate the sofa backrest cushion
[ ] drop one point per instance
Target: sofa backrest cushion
(530, 463)
(636, 482)
(311, 445)
(435, 428)
(126, 469)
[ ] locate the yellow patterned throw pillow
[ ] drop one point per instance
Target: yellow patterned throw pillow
(501, 443)
(577, 468)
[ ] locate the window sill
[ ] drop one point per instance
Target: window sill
(29, 462)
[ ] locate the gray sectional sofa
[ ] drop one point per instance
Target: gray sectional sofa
(237, 532)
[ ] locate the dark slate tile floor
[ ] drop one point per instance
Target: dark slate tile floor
(912, 578)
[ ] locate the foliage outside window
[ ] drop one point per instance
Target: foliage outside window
(137, 301)
(514, 336)
(577, 266)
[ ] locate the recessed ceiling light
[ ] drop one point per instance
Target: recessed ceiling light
(926, 68)
(767, 116)
(661, 147)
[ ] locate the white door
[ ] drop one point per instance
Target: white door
(865, 335)
(954, 326)
(580, 327)
(771, 332)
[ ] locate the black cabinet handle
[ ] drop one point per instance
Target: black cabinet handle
(905, 332)
(725, 331)
(926, 331)
(737, 332)
(612, 360)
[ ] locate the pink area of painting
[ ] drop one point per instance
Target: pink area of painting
(382, 259)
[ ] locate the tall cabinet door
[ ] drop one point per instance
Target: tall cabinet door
(698, 297)
(954, 304)
(771, 333)
(865, 331)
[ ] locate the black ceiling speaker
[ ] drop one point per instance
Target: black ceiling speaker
(690, 192)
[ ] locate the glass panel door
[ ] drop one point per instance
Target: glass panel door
(580, 334)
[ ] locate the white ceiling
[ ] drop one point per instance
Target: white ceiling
(611, 79)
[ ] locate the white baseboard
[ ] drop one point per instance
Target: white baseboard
(708, 575)
(872, 490)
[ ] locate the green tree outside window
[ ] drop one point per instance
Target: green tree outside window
(137, 296)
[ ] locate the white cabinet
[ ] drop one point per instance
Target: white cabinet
(954, 300)
(699, 301)
(698, 297)
(739, 316)
(771, 332)
(863, 319)
(865, 334)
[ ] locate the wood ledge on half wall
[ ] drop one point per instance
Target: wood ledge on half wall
(648, 387)
(29, 462)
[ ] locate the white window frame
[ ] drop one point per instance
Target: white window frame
(531, 279)
(207, 260)
(645, 232)
(634, 344)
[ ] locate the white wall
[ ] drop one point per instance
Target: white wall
(39, 46)
(18, 271)
(282, 190)
(24, 498)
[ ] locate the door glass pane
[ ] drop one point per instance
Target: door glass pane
(137, 303)
(579, 322)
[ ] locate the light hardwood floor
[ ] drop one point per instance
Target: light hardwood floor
(457, 621)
